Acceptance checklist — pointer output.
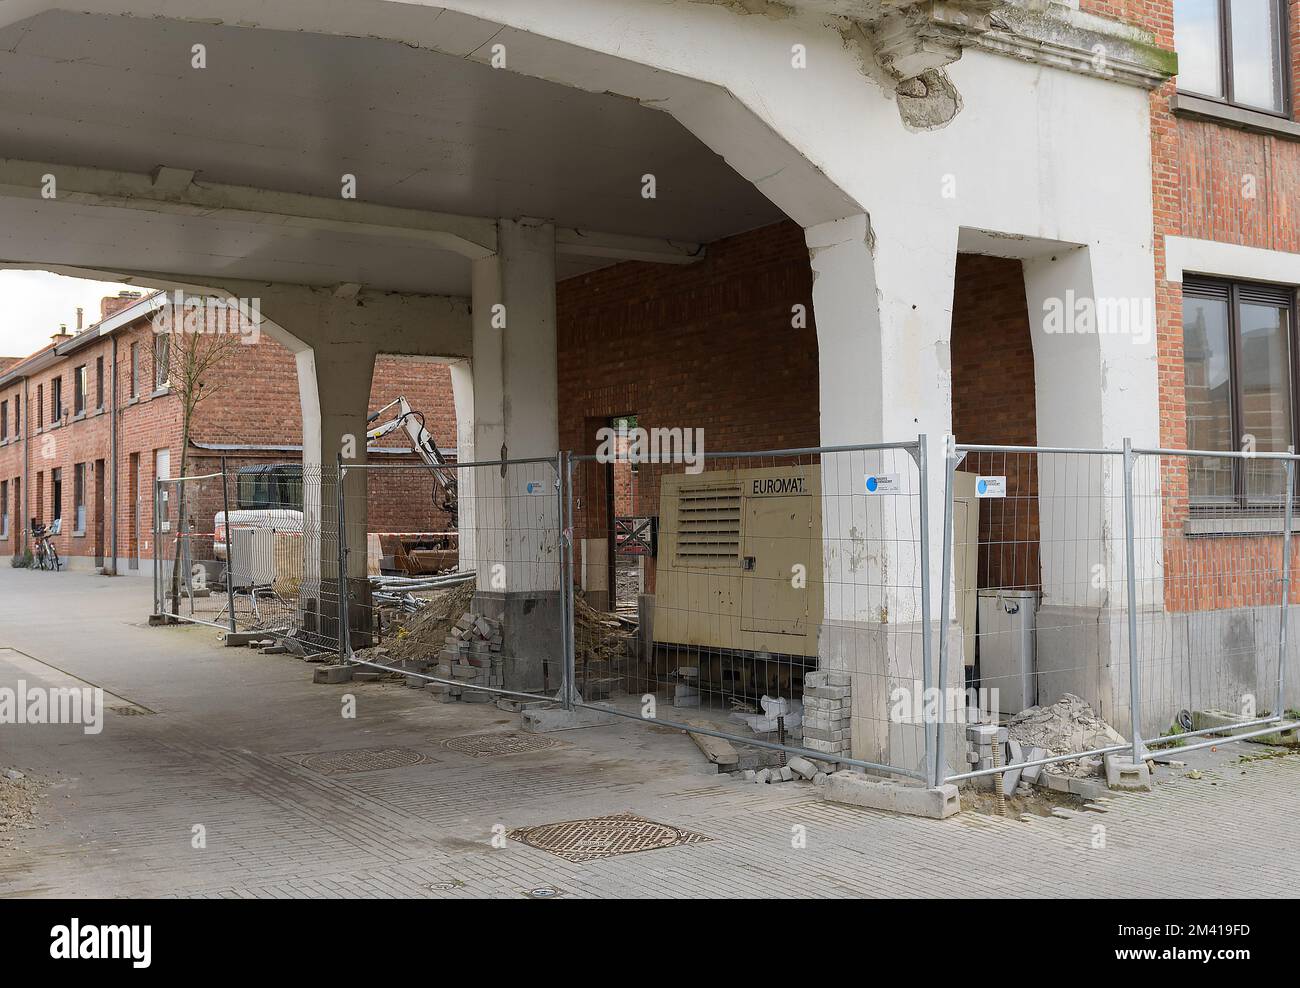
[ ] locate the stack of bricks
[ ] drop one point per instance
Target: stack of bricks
(472, 656)
(982, 739)
(827, 708)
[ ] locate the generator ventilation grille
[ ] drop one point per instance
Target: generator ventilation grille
(708, 526)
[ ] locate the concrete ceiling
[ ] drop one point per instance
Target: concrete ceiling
(293, 112)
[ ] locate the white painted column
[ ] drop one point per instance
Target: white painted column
(883, 308)
(462, 390)
(512, 537)
(335, 336)
(1092, 320)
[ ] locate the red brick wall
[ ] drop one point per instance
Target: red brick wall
(993, 403)
(256, 403)
(708, 345)
(1199, 190)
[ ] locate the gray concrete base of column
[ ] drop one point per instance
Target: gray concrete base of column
(548, 719)
(533, 658)
(854, 789)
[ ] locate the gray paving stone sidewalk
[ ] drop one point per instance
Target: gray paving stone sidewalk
(231, 742)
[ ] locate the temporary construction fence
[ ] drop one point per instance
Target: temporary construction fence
(1117, 601)
(460, 588)
(233, 548)
(781, 602)
(1095, 601)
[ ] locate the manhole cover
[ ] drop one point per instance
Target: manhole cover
(496, 745)
(360, 760)
(130, 711)
(603, 837)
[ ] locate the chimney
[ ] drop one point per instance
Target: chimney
(116, 303)
(81, 313)
(61, 335)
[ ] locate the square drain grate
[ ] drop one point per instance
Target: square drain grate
(603, 837)
(359, 760)
(498, 745)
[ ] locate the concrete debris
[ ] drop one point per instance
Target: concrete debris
(802, 768)
(600, 642)
(445, 639)
(423, 634)
(774, 708)
(18, 798)
(1070, 724)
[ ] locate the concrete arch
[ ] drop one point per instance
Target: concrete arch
(666, 62)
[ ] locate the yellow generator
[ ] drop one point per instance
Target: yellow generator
(739, 566)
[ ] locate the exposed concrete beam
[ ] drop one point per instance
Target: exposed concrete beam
(171, 190)
(424, 325)
(588, 243)
(175, 191)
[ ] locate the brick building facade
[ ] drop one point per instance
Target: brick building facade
(57, 445)
(711, 345)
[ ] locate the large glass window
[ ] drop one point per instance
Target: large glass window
(1238, 366)
(1233, 50)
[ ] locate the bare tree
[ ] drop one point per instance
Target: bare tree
(196, 347)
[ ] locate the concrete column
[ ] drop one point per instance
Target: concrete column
(1092, 318)
(883, 308)
(512, 536)
(335, 337)
(462, 389)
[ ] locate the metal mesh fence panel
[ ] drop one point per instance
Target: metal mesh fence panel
(1213, 595)
(458, 586)
(1038, 592)
(774, 598)
(1115, 602)
(240, 550)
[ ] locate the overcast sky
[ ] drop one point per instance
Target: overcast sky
(34, 303)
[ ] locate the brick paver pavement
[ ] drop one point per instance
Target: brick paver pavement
(225, 744)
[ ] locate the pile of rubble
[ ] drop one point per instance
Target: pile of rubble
(1069, 724)
(471, 655)
(423, 634)
(18, 798)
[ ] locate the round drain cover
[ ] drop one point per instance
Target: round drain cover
(497, 745)
(603, 837)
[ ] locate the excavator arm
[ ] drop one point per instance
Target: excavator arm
(422, 441)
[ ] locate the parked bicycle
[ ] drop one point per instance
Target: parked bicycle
(46, 555)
